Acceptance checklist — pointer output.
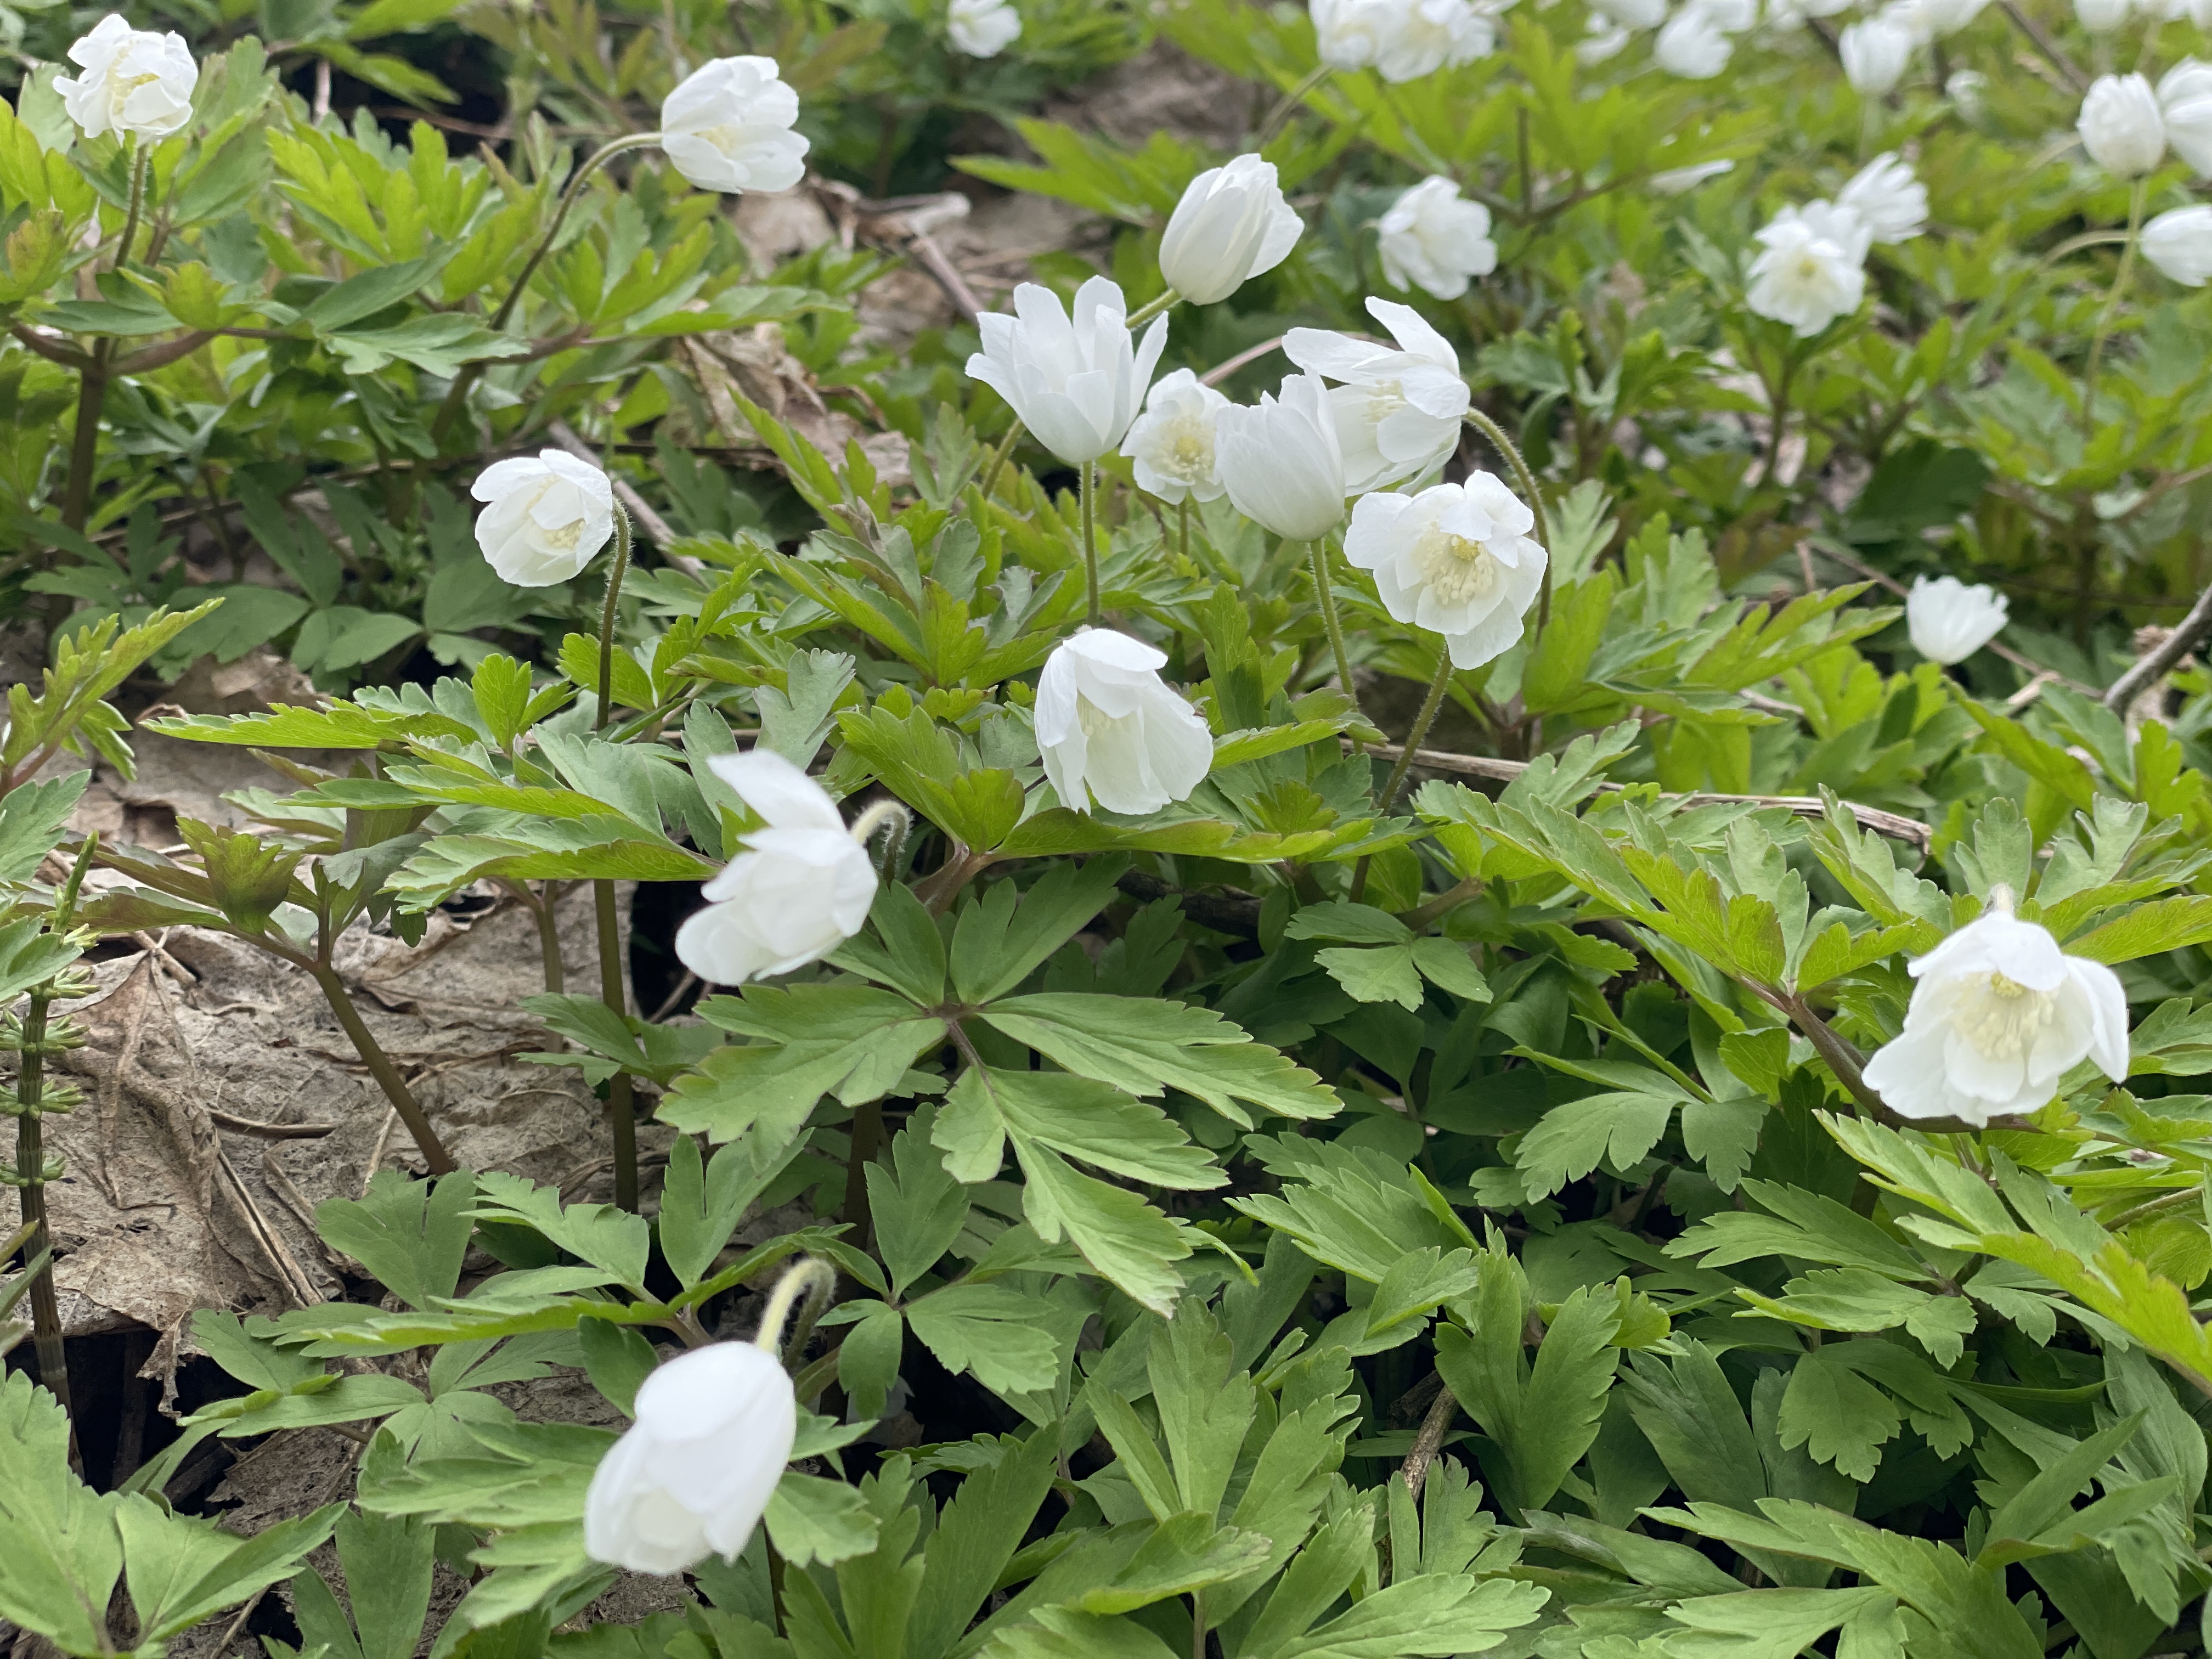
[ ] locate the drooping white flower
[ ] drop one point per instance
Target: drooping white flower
(2121, 126)
(1231, 225)
(982, 29)
(2179, 243)
(1632, 14)
(692, 1476)
(545, 517)
(2101, 16)
(1353, 34)
(801, 887)
(1949, 621)
(135, 80)
(1875, 52)
(1889, 199)
(1432, 35)
(1398, 413)
(1173, 442)
(1110, 730)
(1730, 16)
(2184, 99)
(1999, 1014)
(1928, 21)
(1076, 383)
(1693, 45)
(1602, 41)
(1431, 238)
(727, 127)
(1280, 460)
(1809, 271)
(1456, 559)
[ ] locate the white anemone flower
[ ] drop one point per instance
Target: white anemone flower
(1173, 443)
(1949, 621)
(1398, 412)
(1999, 1014)
(1109, 728)
(727, 127)
(1076, 382)
(1456, 559)
(1809, 271)
(1432, 238)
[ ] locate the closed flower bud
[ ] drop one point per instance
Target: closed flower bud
(1231, 224)
(1810, 269)
(2179, 243)
(1280, 461)
(1889, 201)
(544, 518)
(1398, 413)
(727, 127)
(692, 1476)
(983, 28)
(1432, 238)
(1949, 621)
(801, 887)
(1875, 52)
(1693, 45)
(2184, 99)
(135, 82)
(2121, 126)
(1999, 1014)
(1456, 559)
(1109, 729)
(1075, 383)
(1173, 442)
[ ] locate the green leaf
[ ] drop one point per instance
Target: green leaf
(1430, 1616)
(60, 1554)
(32, 818)
(990, 1332)
(851, 1040)
(183, 1569)
(1001, 939)
(2162, 925)
(1184, 1553)
(613, 1240)
(1381, 972)
(813, 1520)
(412, 1234)
(1837, 1416)
(919, 1208)
(700, 1209)
(1618, 1129)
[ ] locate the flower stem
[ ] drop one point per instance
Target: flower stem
(622, 1111)
(1325, 596)
(1422, 721)
(1505, 445)
(997, 463)
(1087, 495)
(457, 394)
(1154, 306)
(435, 1159)
(809, 1277)
(1287, 105)
(2120, 279)
(84, 444)
(1183, 527)
(138, 158)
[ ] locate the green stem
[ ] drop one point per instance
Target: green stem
(1182, 528)
(84, 444)
(1422, 721)
(1087, 496)
(1317, 559)
(622, 1111)
(1778, 425)
(1286, 107)
(131, 214)
(457, 394)
(1505, 445)
(435, 1158)
(1153, 308)
(2120, 280)
(997, 463)
(810, 1277)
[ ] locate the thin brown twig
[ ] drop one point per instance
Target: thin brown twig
(2155, 664)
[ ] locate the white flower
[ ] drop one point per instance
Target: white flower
(1173, 442)
(1602, 41)
(801, 887)
(135, 80)
(1677, 180)
(1809, 271)
(1109, 728)
(1949, 621)
(983, 28)
(1231, 224)
(1456, 559)
(1432, 35)
(1691, 45)
(1076, 384)
(1875, 52)
(1352, 35)
(2121, 126)
(1889, 201)
(1430, 237)
(691, 1477)
(1398, 413)
(2184, 98)
(1931, 20)
(545, 518)
(1281, 462)
(2101, 16)
(1969, 90)
(2179, 243)
(727, 127)
(1632, 14)
(1730, 16)
(1999, 1015)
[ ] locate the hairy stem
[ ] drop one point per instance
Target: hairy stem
(1427, 1442)
(131, 214)
(867, 1137)
(998, 462)
(1422, 721)
(435, 1158)
(1087, 494)
(456, 395)
(621, 1109)
(548, 941)
(1325, 597)
(810, 1277)
(84, 442)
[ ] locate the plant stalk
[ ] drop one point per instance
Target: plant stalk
(456, 395)
(621, 1109)
(84, 443)
(435, 1158)
(1287, 105)
(810, 1277)
(1422, 721)
(1088, 496)
(997, 463)
(131, 214)
(1325, 596)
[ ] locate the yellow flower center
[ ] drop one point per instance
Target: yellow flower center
(1456, 570)
(2005, 1022)
(120, 86)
